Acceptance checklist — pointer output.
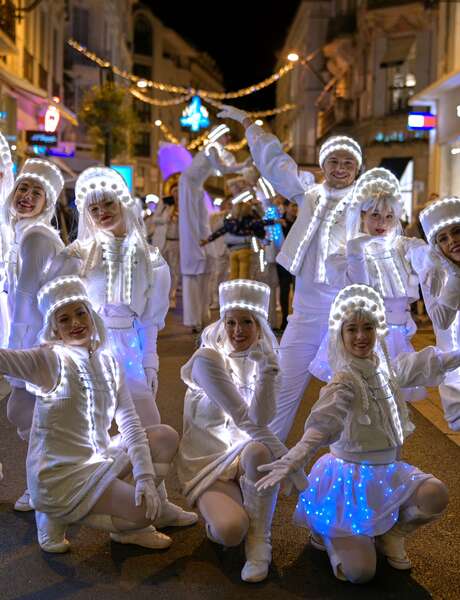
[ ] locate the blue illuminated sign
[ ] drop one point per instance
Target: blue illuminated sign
(195, 115)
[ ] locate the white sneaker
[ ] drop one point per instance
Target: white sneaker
(148, 537)
(174, 516)
(392, 545)
(51, 534)
(22, 504)
(255, 570)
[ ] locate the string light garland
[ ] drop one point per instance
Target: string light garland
(155, 102)
(197, 142)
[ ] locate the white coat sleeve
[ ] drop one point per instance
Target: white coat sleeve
(210, 374)
(132, 433)
(157, 306)
(274, 164)
(221, 166)
(346, 269)
(38, 366)
(427, 367)
(37, 251)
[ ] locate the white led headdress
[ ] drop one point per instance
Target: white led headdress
(60, 291)
(5, 152)
(374, 185)
(267, 189)
(340, 142)
(99, 180)
(439, 214)
(243, 197)
(358, 298)
(217, 132)
(46, 174)
(244, 294)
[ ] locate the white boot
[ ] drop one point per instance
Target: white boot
(393, 543)
(171, 515)
(147, 537)
(22, 504)
(260, 507)
(51, 534)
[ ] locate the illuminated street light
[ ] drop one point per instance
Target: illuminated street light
(142, 83)
(293, 57)
(259, 122)
(158, 122)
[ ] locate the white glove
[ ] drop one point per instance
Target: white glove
(231, 112)
(152, 378)
(147, 492)
(266, 359)
(357, 245)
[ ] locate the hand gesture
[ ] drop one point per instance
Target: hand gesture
(146, 493)
(277, 471)
(231, 112)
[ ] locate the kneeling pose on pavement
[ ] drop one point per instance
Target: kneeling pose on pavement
(360, 495)
(232, 383)
(76, 473)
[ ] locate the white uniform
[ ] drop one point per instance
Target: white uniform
(318, 232)
(225, 408)
(130, 291)
(220, 273)
(195, 260)
(71, 458)
(166, 239)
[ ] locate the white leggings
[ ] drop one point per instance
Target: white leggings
(221, 505)
(355, 557)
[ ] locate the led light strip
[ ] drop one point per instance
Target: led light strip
(245, 196)
(262, 287)
(244, 305)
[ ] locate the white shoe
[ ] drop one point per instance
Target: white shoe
(148, 537)
(174, 516)
(22, 504)
(51, 534)
(392, 545)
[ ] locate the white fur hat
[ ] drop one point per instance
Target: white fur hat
(439, 214)
(101, 179)
(375, 184)
(340, 142)
(60, 291)
(46, 173)
(244, 294)
(358, 297)
(218, 132)
(5, 152)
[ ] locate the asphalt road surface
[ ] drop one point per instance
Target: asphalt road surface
(194, 568)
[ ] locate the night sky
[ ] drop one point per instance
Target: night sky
(244, 38)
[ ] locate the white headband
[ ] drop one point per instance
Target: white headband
(61, 291)
(340, 142)
(47, 175)
(438, 215)
(244, 294)
(218, 132)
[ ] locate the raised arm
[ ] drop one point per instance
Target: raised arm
(224, 167)
(427, 367)
(38, 366)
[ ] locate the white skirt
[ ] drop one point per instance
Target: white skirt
(345, 499)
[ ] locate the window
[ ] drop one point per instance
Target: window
(143, 37)
(143, 71)
(142, 145)
(399, 62)
(143, 111)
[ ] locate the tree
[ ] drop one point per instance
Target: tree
(110, 120)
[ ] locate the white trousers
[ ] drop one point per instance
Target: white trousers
(171, 254)
(298, 348)
(219, 274)
(196, 299)
(450, 399)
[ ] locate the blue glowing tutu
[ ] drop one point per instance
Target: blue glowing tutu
(345, 499)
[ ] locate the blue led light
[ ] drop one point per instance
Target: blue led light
(195, 116)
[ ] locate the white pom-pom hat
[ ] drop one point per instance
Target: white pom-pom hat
(438, 215)
(46, 173)
(244, 294)
(340, 142)
(356, 298)
(374, 185)
(99, 180)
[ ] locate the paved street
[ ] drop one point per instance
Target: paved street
(196, 569)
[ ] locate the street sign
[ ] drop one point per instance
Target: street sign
(41, 138)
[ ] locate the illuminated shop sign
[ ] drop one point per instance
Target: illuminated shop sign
(41, 138)
(195, 115)
(421, 120)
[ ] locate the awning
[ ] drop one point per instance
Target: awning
(396, 165)
(397, 51)
(38, 95)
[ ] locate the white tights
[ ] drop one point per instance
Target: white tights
(355, 556)
(118, 498)
(221, 505)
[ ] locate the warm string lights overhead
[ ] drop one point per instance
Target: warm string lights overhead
(197, 142)
(155, 102)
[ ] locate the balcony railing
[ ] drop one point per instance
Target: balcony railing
(7, 18)
(28, 66)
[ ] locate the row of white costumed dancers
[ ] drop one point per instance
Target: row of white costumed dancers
(80, 324)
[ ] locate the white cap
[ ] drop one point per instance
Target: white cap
(340, 142)
(60, 291)
(46, 173)
(101, 179)
(244, 294)
(376, 184)
(218, 132)
(439, 214)
(358, 297)
(5, 152)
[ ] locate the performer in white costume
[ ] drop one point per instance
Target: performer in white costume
(75, 471)
(128, 283)
(6, 187)
(30, 244)
(360, 494)
(378, 255)
(232, 383)
(318, 232)
(441, 224)
(195, 260)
